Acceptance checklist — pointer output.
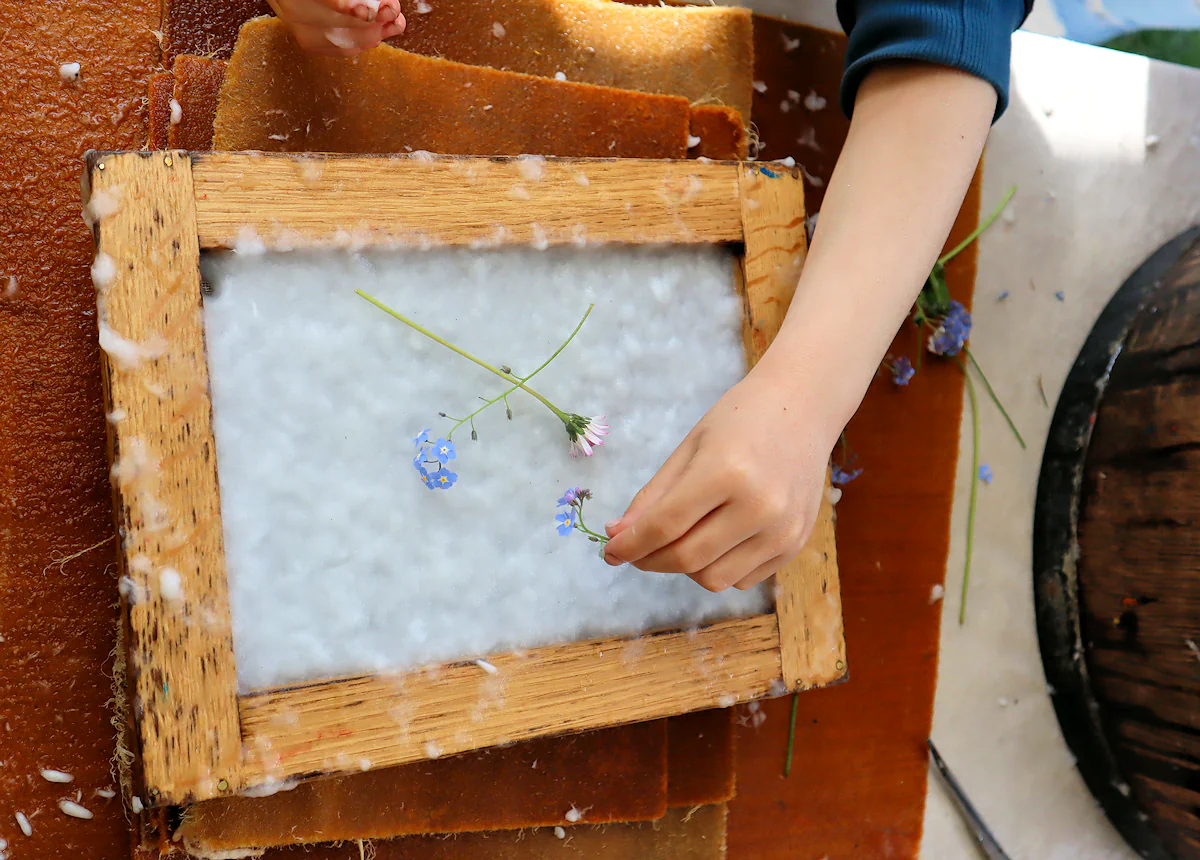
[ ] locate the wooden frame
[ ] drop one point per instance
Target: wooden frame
(197, 738)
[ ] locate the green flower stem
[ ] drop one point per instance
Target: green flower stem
(987, 222)
(962, 608)
(791, 743)
(508, 377)
(523, 379)
(992, 394)
(579, 524)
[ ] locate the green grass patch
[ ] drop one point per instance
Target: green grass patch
(1173, 46)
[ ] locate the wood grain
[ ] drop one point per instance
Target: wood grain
(290, 200)
(330, 726)
(1139, 597)
(807, 593)
(164, 479)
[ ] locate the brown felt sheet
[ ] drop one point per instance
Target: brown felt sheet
(682, 834)
(198, 80)
(700, 757)
(58, 620)
(722, 136)
(280, 98)
(702, 53)
(620, 774)
(205, 28)
(616, 773)
(158, 101)
(197, 88)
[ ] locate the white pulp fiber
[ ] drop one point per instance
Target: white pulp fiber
(340, 37)
(73, 809)
(104, 271)
(170, 585)
(102, 204)
(339, 559)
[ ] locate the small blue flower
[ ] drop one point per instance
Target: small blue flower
(569, 497)
(566, 522)
(443, 449)
(840, 477)
(421, 438)
(1002, 295)
(951, 335)
(422, 472)
(902, 371)
(985, 473)
(443, 479)
(1061, 296)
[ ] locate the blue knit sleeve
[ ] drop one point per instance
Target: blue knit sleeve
(972, 35)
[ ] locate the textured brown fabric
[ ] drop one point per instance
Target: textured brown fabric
(703, 53)
(205, 28)
(721, 133)
(616, 774)
(683, 834)
(162, 88)
(719, 128)
(197, 89)
(280, 98)
(700, 757)
(797, 112)
(58, 610)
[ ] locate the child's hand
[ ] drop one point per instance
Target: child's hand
(340, 28)
(739, 496)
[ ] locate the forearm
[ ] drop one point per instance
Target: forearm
(915, 140)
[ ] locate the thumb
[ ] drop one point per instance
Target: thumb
(667, 475)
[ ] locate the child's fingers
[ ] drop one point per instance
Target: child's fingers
(666, 475)
(389, 13)
(683, 505)
(737, 565)
(704, 544)
(762, 572)
(319, 13)
(365, 10)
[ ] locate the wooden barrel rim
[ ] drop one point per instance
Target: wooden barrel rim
(1056, 548)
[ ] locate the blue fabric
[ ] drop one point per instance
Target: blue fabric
(972, 35)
